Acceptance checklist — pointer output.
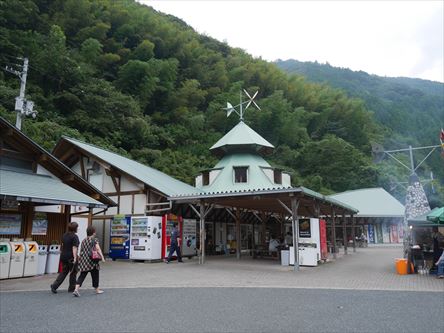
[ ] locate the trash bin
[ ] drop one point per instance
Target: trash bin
(17, 259)
(5, 259)
(43, 255)
(52, 263)
(31, 259)
(401, 266)
(285, 257)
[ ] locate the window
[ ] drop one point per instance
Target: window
(277, 176)
(240, 174)
(205, 178)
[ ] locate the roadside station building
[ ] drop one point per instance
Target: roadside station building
(137, 189)
(380, 215)
(39, 195)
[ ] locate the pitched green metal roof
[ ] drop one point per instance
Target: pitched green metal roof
(243, 136)
(43, 189)
(150, 176)
(256, 177)
(371, 202)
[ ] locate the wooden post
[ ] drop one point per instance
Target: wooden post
(354, 232)
(202, 232)
(344, 232)
(263, 229)
(90, 216)
(295, 226)
(29, 215)
(238, 236)
(67, 210)
(333, 233)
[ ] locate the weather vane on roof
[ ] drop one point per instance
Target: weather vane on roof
(230, 108)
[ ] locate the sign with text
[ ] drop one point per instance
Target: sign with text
(304, 228)
(10, 224)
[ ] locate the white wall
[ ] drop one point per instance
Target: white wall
(269, 173)
(126, 204)
(139, 203)
(213, 175)
(198, 181)
(286, 179)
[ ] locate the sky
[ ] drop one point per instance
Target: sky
(386, 38)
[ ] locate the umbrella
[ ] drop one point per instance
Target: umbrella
(436, 215)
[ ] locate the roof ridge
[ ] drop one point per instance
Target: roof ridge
(359, 189)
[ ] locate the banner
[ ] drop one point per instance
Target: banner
(10, 224)
(39, 224)
(371, 233)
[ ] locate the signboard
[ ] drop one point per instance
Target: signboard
(394, 233)
(39, 224)
(304, 228)
(371, 234)
(9, 204)
(379, 233)
(10, 224)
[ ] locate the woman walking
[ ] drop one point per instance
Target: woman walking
(86, 262)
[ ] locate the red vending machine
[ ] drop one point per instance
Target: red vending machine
(168, 222)
(323, 239)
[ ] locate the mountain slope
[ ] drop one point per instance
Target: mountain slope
(411, 110)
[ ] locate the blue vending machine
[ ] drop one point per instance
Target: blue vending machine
(119, 245)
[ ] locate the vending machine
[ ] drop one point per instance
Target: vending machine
(188, 238)
(146, 238)
(119, 245)
(309, 243)
(168, 222)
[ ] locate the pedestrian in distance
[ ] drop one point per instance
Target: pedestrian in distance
(68, 257)
(440, 265)
(174, 245)
(86, 262)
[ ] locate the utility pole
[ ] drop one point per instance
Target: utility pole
(23, 107)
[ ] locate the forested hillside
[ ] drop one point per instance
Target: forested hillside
(123, 76)
(411, 110)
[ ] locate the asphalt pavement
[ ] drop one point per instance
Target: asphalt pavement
(223, 310)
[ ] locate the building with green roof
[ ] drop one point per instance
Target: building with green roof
(242, 166)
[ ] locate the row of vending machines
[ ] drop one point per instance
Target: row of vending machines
(149, 237)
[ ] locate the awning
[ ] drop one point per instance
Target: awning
(42, 189)
(436, 215)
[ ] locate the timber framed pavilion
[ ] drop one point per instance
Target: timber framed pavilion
(283, 204)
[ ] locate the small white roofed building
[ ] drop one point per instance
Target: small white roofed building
(380, 214)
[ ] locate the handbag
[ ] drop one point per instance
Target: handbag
(94, 254)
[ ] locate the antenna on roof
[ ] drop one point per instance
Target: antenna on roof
(230, 108)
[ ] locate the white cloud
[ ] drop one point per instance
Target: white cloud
(388, 38)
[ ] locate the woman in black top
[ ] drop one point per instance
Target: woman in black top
(68, 257)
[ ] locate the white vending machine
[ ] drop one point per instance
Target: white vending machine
(146, 238)
(309, 243)
(188, 238)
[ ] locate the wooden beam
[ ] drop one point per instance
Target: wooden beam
(68, 178)
(344, 232)
(122, 193)
(82, 166)
(295, 225)
(354, 232)
(333, 233)
(18, 155)
(238, 235)
(43, 158)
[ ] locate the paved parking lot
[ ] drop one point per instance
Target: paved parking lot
(368, 269)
